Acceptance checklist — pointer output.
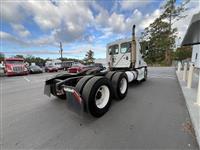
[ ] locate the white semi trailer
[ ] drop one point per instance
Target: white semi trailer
(92, 90)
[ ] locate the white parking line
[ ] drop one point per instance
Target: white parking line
(25, 78)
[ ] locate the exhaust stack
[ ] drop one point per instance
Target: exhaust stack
(133, 48)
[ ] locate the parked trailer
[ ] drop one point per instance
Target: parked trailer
(92, 90)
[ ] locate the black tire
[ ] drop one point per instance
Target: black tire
(110, 74)
(90, 92)
(81, 83)
(92, 71)
(116, 84)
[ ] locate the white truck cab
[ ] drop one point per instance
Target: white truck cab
(125, 55)
(118, 54)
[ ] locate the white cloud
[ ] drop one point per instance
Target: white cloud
(132, 4)
(149, 18)
(10, 12)
(45, 14)
(44, 40)
(102, 18)
(106, 33)
(112, 23)
(75, 18)
(8, 37)
(21, 30)
(90, 38)
(116, 23)
(66, 19)
(135, 18)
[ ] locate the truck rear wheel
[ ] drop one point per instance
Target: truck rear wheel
(120, 85)
(97, 95)
(81, 83)
(110, 74)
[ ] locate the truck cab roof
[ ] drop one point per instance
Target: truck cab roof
(119, 41)
(14, 59)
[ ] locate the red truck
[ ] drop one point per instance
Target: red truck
(15, 66)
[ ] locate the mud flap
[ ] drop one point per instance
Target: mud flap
(74, 100)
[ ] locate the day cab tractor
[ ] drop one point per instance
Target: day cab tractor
(15, 66)
(92, 90)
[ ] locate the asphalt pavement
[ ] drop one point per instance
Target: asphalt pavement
(152, 116)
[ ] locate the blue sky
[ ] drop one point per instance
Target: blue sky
(36, 27)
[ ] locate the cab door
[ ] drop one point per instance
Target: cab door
(113, 52)
(124, 56)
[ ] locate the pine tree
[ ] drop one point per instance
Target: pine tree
(160, 35)
(2, 56)
(89, 57)
(172, 13)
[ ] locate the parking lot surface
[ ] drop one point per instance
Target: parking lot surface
(152, 116)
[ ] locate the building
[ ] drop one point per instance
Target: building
(196, 56)
(192, 38)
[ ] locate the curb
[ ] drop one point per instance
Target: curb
(195, 126)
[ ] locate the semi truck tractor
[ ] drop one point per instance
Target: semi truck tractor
(15, 66)
(92, 91)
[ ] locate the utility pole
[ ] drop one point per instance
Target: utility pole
(61, 51)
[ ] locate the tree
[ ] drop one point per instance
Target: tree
(156, 38)
(89, 57)
(183, 53)
(2, 56)
(172, 13)
(19, 56)
(160, 35)
(73, 59)
(37, 60)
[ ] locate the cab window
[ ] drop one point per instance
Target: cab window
(114, 49)
(125, 47)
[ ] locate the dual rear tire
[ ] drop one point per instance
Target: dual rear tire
(120, 85)
(98, 91)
